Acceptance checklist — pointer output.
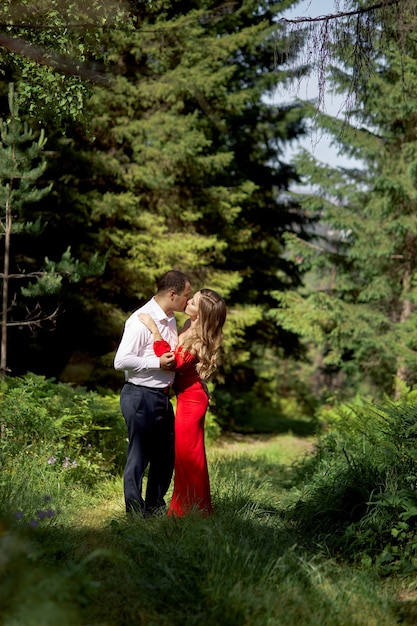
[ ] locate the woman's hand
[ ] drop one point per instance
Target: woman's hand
(146, 319)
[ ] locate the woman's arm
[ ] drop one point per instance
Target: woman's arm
(135, 338)
(160, 346)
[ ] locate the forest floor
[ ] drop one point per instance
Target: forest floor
(243, 567)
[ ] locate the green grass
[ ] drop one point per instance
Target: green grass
(91, 565)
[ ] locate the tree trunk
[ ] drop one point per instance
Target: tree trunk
(406, 310)
(8, 228)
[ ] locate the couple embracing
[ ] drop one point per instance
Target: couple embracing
(155, 358)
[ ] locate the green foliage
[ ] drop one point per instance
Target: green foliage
(22, 164)
(89, 563)
(54, 50)
(33, 592)
(55, 441)
(64, 434)
(177, 163)
(53, 274)
(357, 306)
(22, 161)
(359, 490)
(266, 394)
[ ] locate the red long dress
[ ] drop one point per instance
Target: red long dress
(191, 477)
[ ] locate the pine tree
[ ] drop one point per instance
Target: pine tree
(22, 163)
(183, 168)
(18, 151)
(359, 307)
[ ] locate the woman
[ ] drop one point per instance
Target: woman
(196, 354)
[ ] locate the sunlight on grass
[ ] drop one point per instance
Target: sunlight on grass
(278, 448)
(242, 566)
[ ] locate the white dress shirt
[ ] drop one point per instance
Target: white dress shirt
(135, 354)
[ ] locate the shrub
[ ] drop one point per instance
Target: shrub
(54, 435)
(359, 494)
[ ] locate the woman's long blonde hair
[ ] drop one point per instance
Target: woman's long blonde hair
(205, 338)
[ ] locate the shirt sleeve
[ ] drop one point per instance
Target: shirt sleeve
(129, 355)
(182, 357)
(160, 347)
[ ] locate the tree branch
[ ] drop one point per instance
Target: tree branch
(59, 62)
(28, 275)
(335, 16)
(35, 318)
(57, 28)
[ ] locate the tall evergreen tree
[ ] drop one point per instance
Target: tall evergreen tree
(359, 307)
(22, 164)
(182, 167)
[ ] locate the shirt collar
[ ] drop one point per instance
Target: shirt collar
(160, 313)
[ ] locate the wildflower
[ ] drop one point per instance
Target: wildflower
(66, 461)
(41, 514)
(34, 523)
(18, 515)
(49, 513)
(51, 460)
(74, 463)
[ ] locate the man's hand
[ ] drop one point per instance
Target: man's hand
(167, 361)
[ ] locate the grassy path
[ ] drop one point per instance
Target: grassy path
(242, 567)
(279, 450)
(286, 448)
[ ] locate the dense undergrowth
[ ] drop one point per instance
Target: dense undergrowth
(358, 494)
(325, 537)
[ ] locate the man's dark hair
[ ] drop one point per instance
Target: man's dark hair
(174, 279)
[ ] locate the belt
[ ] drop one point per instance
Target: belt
(164, 390)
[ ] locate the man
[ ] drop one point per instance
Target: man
(144, 399)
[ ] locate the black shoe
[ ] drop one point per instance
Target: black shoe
(155, 511)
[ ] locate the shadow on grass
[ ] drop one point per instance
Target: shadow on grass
(276, 425)
(134, 571)
(240, 566)
(233, 568)
(244, 565)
